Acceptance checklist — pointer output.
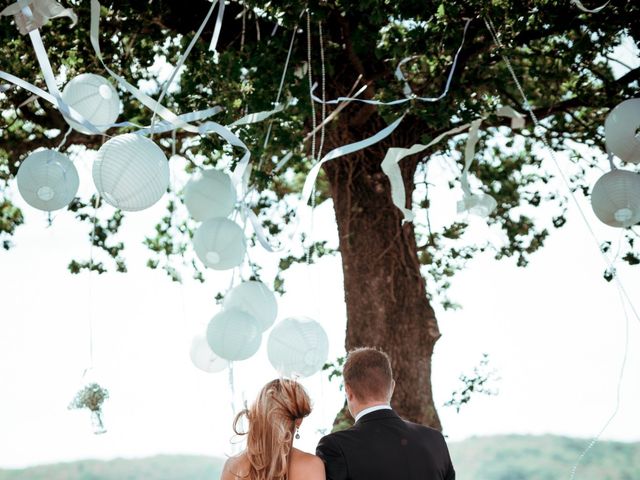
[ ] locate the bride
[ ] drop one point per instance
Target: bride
(273, 420)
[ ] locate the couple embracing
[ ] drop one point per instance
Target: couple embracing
(379, 446)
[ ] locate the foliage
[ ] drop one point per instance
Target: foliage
(550, 44)
(480, 381)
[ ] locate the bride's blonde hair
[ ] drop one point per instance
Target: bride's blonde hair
(272, 422)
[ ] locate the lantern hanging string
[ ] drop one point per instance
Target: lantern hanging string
(621, 290)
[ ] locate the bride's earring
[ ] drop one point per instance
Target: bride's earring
(297, 433)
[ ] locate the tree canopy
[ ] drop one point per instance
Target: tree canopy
(561, 55)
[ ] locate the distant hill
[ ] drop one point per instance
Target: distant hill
(509, 457)
(162, 467)
(524, 457)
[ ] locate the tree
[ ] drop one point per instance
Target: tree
(561, 55)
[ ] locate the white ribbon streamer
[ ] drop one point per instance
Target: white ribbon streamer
(182, 59)
(517, 119)
(41, 11)
(218, 27)
(390, 166)
(341, 151)
(406, 86)
(579, 4)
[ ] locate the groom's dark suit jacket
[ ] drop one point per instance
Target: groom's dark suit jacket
(383, 446)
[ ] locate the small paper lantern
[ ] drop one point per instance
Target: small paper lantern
(615, 198)
(209, 194)
(298, 347)
(234, 335)
(220, 244)
(620, 129)
(131, 172)
(47, 180)
(257, 300)
(93, 97)
(203, 357)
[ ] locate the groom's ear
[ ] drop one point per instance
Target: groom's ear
(349, 392)
(393, 387)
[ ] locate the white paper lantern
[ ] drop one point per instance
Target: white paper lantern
(220, 244)
(209, 194)
(298, 347)
(234, 335)
(131, 172)
(93, 97)
(203, 357)
(257, 300)
(620, 129)
(616, 198)
(47, 180)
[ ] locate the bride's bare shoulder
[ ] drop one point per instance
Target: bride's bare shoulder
(305, 466)
(236, 467)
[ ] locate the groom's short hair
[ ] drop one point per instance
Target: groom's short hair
(368, 373)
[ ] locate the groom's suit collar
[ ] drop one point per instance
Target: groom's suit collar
(377, 415)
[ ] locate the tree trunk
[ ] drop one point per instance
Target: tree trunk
(387, 305)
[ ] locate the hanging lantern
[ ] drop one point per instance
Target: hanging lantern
(47, 180)
(93, 97)
(257, 300)
(131, 172)
(220, 244)
(298, 347)
(203, 357)
(234, 335)
(620, 130)
(615, 198)
(209, 194)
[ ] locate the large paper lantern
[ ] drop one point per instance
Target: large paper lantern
(616, 198)
(234, 335)
(209, 194)
(93, 97)
(203, 357)
(298, 347)
(620, 130)
(481, 204)
(220, 244)
(256, 299)
(47, 180)
(131, 172)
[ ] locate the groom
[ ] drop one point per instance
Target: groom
(381, 445)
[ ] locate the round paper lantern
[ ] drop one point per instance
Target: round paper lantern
(620, 129)
(131, 172)
(47, 180)
(257, 300)
(616, 198)
(203, 357)
(234, 335)
(220, 244)
(298, 347)
(93, 97)
(209, 194)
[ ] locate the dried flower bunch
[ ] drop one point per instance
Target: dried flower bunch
(92, 396)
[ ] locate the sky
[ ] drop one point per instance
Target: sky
(555, 332)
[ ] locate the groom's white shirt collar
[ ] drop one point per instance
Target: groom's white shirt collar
(375, 408)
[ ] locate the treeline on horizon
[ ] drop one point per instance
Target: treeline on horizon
(507, 457)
